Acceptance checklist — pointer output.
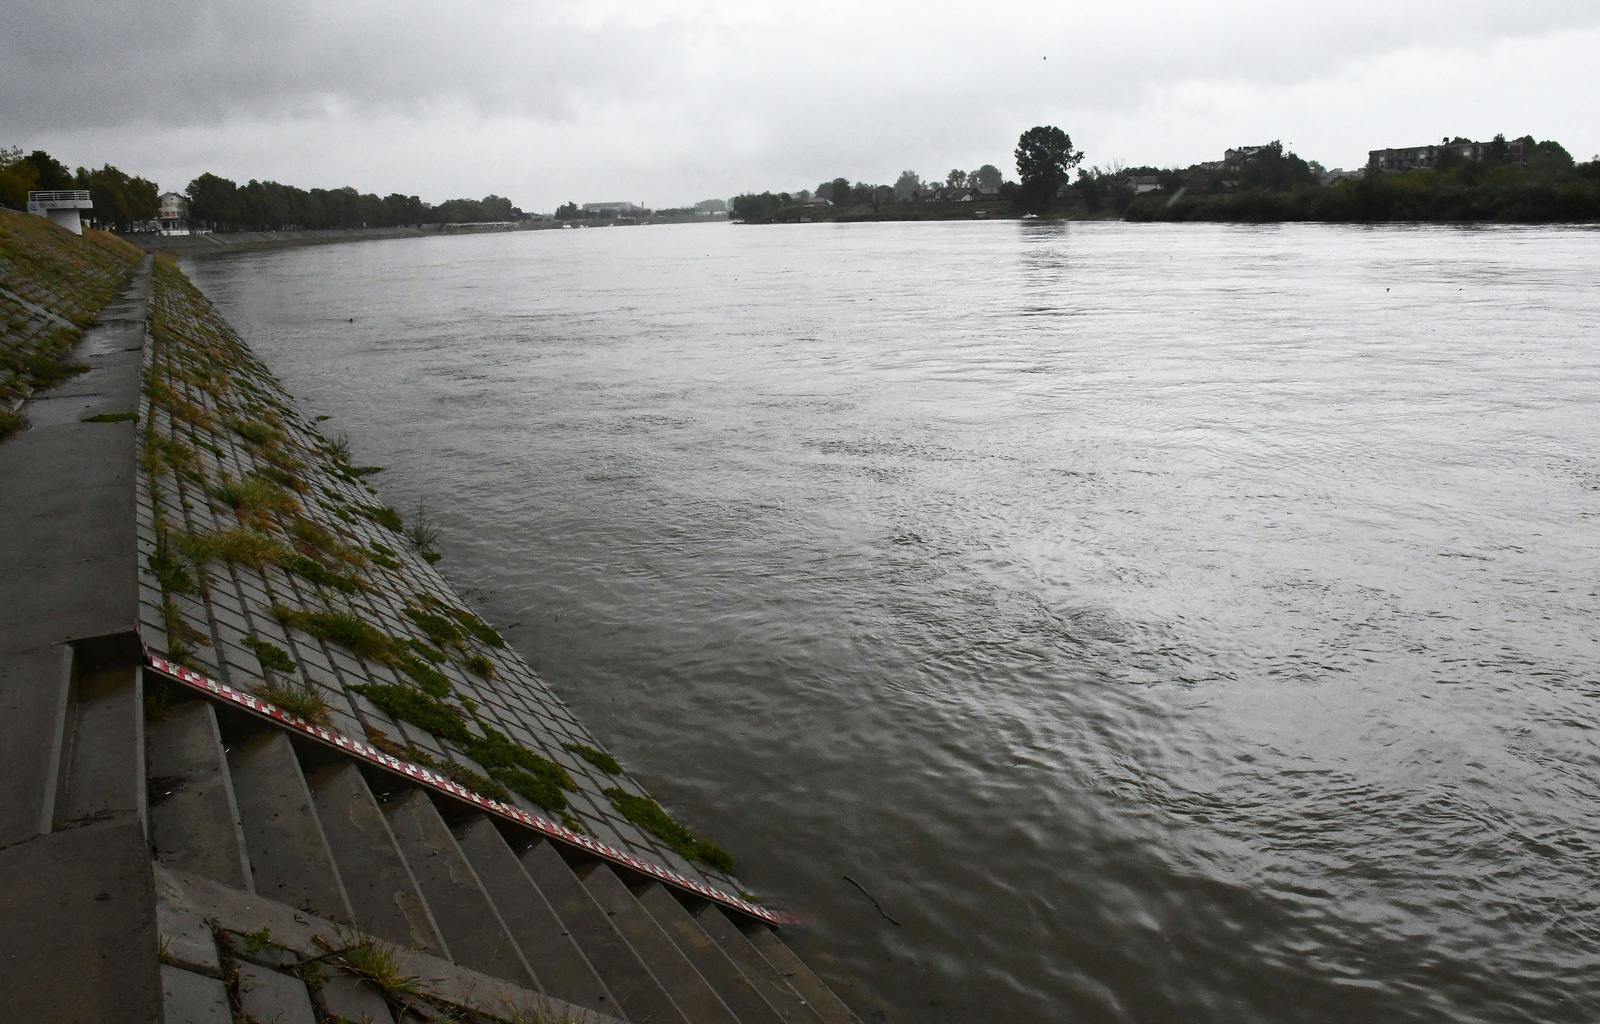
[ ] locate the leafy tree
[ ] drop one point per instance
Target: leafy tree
(989, 176)
(17, 178)
(1044, 158)
(49, 173)
(839, 191)
(957, 178)
(119, 200)
(909, 182)
(214, 202)
(567, 211)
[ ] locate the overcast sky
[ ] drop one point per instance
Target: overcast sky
(667, 103)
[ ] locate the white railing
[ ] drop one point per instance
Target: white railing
(60, 199)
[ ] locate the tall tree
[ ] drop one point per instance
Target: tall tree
(1044, 158)
(989, 176)
(840, 191)
(49, 173)
(908, 183)
(957, 178)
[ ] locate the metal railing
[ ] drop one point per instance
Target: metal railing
(60, 199)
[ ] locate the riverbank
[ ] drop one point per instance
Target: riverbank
(217, 636)
(246, 241)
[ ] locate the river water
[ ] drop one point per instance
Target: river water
(1161, 623)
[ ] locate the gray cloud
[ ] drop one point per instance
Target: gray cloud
(558, 99)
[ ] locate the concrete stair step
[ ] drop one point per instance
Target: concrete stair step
(693, 994)
(768, 979)
(269, 997)
(737, 991)
(821, 998)
(558, 964)
(383, 894)
(194, 817)
(619, 965)
(103, 764)
(188, 998)
(467, 919)
(288, 852)
(34, 688)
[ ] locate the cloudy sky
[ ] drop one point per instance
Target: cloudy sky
(667, 103)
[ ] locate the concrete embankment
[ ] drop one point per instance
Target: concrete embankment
(262, 760)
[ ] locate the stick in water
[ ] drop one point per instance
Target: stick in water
(873, 898)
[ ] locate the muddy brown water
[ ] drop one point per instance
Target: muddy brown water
(1162, 623)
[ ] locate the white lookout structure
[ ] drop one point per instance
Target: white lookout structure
(61, 207)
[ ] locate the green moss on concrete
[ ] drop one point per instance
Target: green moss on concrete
(412, 705)
(648, 815)
(270, 655)
(599, 758)
(354, 634)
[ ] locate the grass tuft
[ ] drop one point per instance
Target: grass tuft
(270, 655)
(301, 699)
(383, 516)
(648, 815)
(340, 628)
(412, 705)
(111, 417)
(244, 546)
(11, 422)
(599, 758)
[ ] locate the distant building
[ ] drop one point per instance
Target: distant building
(1143, 183)
(172, 216)
(1233, 159)
(711, 207)
(1410, 158)
(613, 210)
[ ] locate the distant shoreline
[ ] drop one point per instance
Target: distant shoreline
(246, 241)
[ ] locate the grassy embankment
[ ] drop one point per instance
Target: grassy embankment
(53, 284)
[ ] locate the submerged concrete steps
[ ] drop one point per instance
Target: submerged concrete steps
(548, 946)
(822, 1000)
(237, 801)
(194, 817)
(736, 990)
(642, 996)
(689, 989)
(289, 856)
(768, 979)
(466, 916)
(383, 893)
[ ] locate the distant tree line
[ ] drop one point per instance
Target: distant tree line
(120, 200)
(123, 202)
(1521, 180)
(221, 205)
(1546, 185)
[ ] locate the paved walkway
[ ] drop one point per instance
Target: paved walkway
(82, 885)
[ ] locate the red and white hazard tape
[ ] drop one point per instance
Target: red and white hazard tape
(432, 779)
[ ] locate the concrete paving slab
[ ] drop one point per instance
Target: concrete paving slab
(33, 705)
(351, 999)
(80, 927)
(189, 998)
(186, 941)
(269, 997)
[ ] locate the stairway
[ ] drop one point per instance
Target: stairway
(255, 808)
